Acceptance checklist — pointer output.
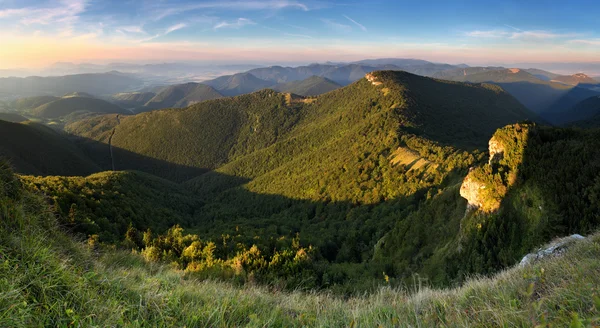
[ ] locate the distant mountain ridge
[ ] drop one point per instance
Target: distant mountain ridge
(95, 84)
(547, 97)
(575, 79)
(182, 95)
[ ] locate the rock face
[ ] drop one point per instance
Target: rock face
(373, 79)
(496, 150)
(471, 191)
(554, 249)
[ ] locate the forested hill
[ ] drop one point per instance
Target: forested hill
(33, 148)
(179, 144)
(332, 191)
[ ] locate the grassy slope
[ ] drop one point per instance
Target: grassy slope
(66, 106)
(36, 149)
(47, 279)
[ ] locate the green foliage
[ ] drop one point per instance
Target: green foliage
(312, 86)
(68, 105)
(33, 148)
(47, 279)
(109, 203)
(182, 95)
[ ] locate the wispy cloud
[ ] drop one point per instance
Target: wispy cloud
(62, 16)
(521, 35)
(514, 28)
(298, 35)
(488, 34)
(362, 27)
(169, 30)
(240, 22)
(65, 11)
(336, 26)
(163, 12)
(132, 29)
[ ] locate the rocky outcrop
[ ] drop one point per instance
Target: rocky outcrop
(556, 248)
(373, 79)
(471, 191)
(496, 149)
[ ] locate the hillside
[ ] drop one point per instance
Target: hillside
(280, 172)
(575, 79)
(78, 94)
(238, 84)
(28, 103)
(132, 99)
(210, 134)
(313, 86)
(109, 203)
(543, 97)
(581, 111)
(541, 74)
(182, 95)
(539, 183)
(456, 73)
(588, 106)
(36, 149)
(48, 279)
(69, 105)
(12, 117)
(561, 111)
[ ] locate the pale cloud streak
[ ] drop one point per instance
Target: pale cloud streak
(336, 26)
(169, 30)
(232, 6)
(520, 35)
(362, 27)
(239, 23)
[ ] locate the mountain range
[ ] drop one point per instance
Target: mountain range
(368, 181)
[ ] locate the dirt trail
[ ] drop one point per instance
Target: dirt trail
(112, 158)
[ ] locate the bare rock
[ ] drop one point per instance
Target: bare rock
(556, 248)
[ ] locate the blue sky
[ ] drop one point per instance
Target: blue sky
(476, 32)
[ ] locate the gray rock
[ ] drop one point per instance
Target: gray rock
(554, 249)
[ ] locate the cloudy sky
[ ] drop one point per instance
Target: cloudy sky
(38, 33)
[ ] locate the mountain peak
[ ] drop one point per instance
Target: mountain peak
(575, 79)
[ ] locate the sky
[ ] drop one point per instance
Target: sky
(37, 33)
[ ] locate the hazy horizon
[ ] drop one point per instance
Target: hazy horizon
(38, 33)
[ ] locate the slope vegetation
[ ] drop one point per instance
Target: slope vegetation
(313, 86)
(539, 183)
(182, 95)
(213, 133)
(284, 173)
(548, 98)
(47, 279)
(237, 84)
(36, 149)
(132, 99)
(28, 103)
(69, 105)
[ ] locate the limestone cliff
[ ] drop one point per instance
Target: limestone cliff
(485, 187)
